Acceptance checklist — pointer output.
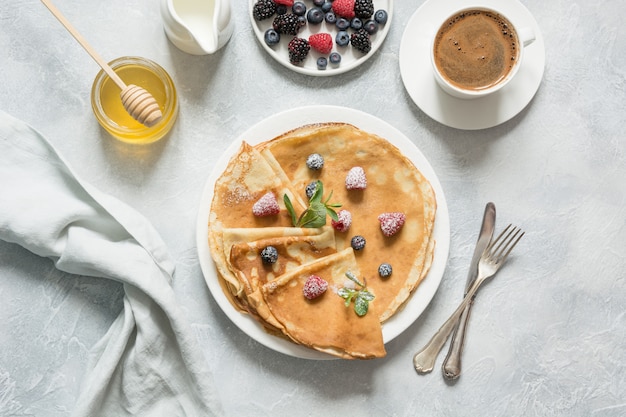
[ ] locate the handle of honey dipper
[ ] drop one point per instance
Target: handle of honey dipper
(105, 66)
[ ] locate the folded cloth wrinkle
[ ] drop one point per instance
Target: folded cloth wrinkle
(148, 363)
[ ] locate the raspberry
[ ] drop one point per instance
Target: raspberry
(355, 180)
(344, 8)
(357, 242)
(314, 287)
(344, 222)
(361, 41)
(263, 9)
(364, 8)
(267, 205)
(391, 223)
(288, 24)
(287, 3)
(321, 42)
(298, 50)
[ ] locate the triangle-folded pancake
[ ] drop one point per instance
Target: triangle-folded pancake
(325, 323)
(293, 251)
(245, 180)
(394, 184)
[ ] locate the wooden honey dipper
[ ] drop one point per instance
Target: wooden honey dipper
(138, 102)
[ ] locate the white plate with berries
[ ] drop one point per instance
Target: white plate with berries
(278, 124)
(321, 37)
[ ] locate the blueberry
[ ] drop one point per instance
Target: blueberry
(315, 15)
(271, 37)
(342, 23)
(356, 23)
(381, 16)
(322, 62)
(342, 38)
(357, 242)
(281, 9)
(310, 189)
(269, 255)
(315, 161)
(318, 3)
(334, 58)
(371, 26)
(385, 270)
(330, 17)
(327, 6)
(298, 8)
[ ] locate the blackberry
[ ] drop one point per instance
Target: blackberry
(263, 9)
(360, 41)
(269, 255)
(357, 242)
(315, 161)
(364, 8)
(310, 189)
(385, 270)
(298, 50)
(288, 24)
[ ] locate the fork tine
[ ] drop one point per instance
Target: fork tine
(512, 245)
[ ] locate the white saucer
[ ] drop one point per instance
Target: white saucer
(482, 113)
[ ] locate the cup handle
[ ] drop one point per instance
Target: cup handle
(527, 36)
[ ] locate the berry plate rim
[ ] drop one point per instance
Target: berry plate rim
(350, 59)
(285, 121)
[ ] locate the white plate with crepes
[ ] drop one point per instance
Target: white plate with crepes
(278, 124)
(350, 58)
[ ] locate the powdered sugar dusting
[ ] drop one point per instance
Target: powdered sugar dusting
(391, 223)
(314, 287)
(356, 180)
(266, 205)
(344, 222)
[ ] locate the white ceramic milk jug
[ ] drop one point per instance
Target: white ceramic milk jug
(198, 27)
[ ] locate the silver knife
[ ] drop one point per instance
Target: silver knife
(451, 367)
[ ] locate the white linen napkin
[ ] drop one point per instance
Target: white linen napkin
(148, 363)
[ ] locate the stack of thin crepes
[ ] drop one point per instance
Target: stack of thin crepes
(273, 293)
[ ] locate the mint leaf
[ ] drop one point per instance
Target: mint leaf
(361, 297)
(290, 209)
(361, 305)
(315, 215)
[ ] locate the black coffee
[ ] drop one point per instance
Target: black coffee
(476, 49)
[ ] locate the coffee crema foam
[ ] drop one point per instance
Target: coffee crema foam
(476, 49)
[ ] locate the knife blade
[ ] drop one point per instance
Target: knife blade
(451, 367)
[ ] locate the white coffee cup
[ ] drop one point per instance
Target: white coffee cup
(477, 51)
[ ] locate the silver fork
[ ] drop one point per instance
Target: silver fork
(491, 260)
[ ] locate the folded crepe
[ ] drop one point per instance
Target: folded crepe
(325, 323)
(293, 251)
(236, 235)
